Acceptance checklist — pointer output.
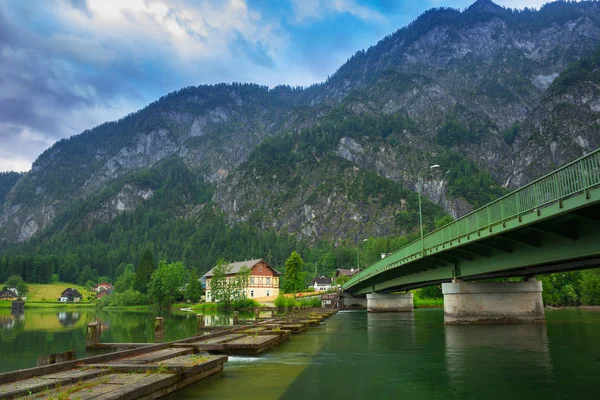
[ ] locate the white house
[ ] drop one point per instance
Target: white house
(321, 283)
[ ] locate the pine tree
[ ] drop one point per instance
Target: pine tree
(144, 271)
(294, 275)
(192, 290)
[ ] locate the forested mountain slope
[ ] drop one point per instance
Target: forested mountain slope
(496, 97)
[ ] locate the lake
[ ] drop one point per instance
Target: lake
(355, 355)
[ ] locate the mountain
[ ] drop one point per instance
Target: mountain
(497, 97)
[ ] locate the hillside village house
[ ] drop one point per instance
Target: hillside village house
(321, 283)
(263, 280)
(102, 287)
(8, 295)
(70, 295)
(346, 272)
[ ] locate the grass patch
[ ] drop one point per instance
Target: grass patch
(50, 292)
(207, 307)
(427, 303)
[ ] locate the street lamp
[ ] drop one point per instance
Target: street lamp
(357, 263)
(419, 190)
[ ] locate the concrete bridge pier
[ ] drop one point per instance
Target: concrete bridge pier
(493, 302)
(377, 302)
(349, 301)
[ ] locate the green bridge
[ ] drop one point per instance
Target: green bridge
(551, 224)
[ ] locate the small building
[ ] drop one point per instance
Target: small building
(18, 306)
(8, 295)
(346, 272)
(101, 287)
(321, 283)
(263, 280)
(70, 295)
(103, 293)
(330, 300)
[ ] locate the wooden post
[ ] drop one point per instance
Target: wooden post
(236, 318)
(199, 323)
(92, 337)
(159, 328)
(257, 313)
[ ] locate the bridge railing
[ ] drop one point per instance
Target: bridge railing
(566, 181)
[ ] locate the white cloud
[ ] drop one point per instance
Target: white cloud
(318, 9)
(520, 4)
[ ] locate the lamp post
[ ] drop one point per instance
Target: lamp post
(357, 263)
(419, 190)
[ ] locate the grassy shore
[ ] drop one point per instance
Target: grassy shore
(427, 303)
(46, 296)
(47, 304)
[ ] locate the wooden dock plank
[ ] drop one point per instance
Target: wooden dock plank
(154, 356)
(212, 344)
(182, 365)
(112, 386)
(41, 383)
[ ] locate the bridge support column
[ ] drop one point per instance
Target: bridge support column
(493, 302)
(377, 302)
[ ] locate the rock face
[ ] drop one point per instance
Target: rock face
(486, 67)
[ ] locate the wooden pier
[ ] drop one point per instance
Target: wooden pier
(148, 370)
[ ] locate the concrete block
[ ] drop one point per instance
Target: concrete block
(389, 302)
(493, 302)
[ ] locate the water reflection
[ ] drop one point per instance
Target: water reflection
(380, 326)
(68, 318)
(476, 353)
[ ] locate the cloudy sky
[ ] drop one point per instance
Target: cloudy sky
(69, 65)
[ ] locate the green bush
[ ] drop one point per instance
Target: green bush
(291, 302)
(280, 301)
(312, 302)
(127, 298)
(246, 303)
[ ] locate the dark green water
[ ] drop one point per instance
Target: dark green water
(360, 355)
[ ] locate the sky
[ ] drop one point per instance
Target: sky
(70, 65)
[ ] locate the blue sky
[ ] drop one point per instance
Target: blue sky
(69, 65)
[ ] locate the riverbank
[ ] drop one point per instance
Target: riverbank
(7, 304)
(427, 303)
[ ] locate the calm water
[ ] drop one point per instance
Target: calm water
(360, 355)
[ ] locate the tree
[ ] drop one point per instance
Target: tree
(144, 271)
(192, 290)
(125, 280)
(327, 263)
(15, 281)
(340, 280)
(165, 283)
(294, 275)
(590, 287)
(87, 274)
(228, 291)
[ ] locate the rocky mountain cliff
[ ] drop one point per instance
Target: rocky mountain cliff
(485, 92)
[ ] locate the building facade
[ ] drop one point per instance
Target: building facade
(262, 282)
(70, 295)
(321, 283)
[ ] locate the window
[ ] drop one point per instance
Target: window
(259, 269)
(268, 293)
(252, 280)
(268, 281)
(252, 293)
